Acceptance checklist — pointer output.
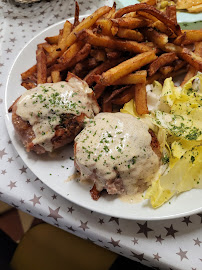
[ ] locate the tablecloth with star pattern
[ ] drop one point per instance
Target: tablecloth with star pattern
(170, 244)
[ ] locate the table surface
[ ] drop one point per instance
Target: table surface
(170, 244)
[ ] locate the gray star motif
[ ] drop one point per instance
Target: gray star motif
(70, 209)
(12, 185)
(187, 220)
(54, 197)
(101, 221)
(13, 40)
(8, 50)
(119, 231)
(23, 169)
(114, 219)
(84, 225)
(54, 213)
(159, 239)
(28, 181)
(3, 172)
(2, 153)
(156, 257)
(140, 257)
(10, 160)
(35, 200)
(171, 231)
(182, 254)
(71, 229)
(197, 242)
(144, 229)
(135, 241)
(114, 243)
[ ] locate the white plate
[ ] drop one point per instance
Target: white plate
(181, 16)
(52, 170)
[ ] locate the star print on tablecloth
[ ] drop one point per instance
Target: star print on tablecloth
(2, 153)
(140, 257)
(54, 213)
(119, 231)
(182, 254)
(71, 229)
(71, 209)
(114, 219)
(10, 160)
(35, 200)
(23, 169)
(159, 239)
(144, 229)
(135, 241)
(83, 225)
(187, 220)
(101, 221)
(171, 231)
(3, 172)
(114, 243)
(54, 197)
(197, 242)
(157, 257)
(12, 185)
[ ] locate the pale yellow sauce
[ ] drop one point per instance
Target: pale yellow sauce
(43, 106)
(74, 176)
(116, 145)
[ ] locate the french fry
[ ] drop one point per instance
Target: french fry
(65, 33)
(104, 26)
(130, 34)
(153, 11)
(99, 55)
(55, 75)
(80, 56)
(171, 13)
(187, 55)
(111, 13)
(98, 90)
(124, 97)
(41, 66)
(133, 78)
(70, 53)
(140, 97)
(49, 79)
(162, 60)
(52, 40)
(149, 2)
(76, 15)
(28, 85)
(113, 43)
(100, 69)
(113, 54)
(160, 39)
(28, 72)
(192, 36)
(129, 22)
(68, 41)
(106, 105)
(192, 71)
(166, 70)
(116, 93)
(124, 68)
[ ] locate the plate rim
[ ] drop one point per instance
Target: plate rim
(7, 120)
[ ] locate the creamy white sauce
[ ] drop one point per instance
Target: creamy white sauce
(43, 106)
(116, 145)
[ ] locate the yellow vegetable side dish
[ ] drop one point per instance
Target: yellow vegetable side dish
(178, 118)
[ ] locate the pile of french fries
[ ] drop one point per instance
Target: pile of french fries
(118, 52)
